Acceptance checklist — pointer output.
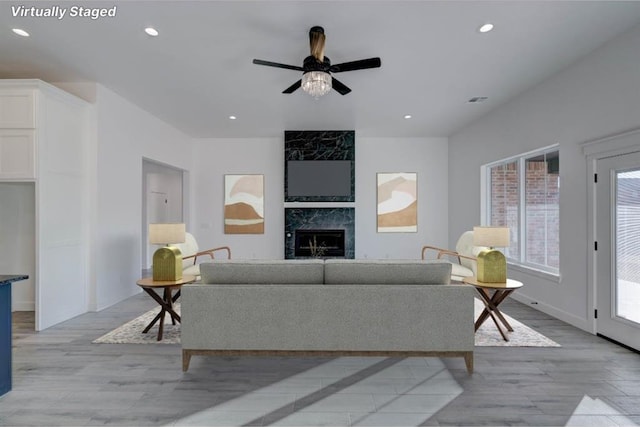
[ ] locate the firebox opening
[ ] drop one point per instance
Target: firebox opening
(319, 243)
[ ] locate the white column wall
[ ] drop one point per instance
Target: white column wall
(597, 96)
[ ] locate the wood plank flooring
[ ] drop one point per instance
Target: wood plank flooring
(61, 378)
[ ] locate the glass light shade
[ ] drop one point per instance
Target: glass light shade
(316, 83)
(164, 234)
(491, 236)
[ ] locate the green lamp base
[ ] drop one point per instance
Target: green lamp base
(492, 267)
(167, 264)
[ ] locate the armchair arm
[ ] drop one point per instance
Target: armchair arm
(209, 252)
(445, 252)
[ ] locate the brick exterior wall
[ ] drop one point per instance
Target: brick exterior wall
(542, 210)
(505, 199)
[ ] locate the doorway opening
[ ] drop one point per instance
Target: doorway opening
(164, 195)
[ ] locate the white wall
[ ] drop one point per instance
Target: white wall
(597, 96)
(213, 158)
(427, 157)
(18, 237)
(125, 135)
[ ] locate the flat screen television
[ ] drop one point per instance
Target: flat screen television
(318, 178)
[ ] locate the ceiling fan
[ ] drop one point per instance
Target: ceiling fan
(316, 68)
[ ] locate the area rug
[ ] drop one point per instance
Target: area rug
(486, 336)
(522, 335)
(131, 332)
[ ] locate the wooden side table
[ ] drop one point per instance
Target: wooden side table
(491, 301)
(166, 301)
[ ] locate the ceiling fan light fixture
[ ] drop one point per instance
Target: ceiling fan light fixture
(316, 83)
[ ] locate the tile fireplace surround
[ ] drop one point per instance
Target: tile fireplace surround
(319, 219)
(337, 145)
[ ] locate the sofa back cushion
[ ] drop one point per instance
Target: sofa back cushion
(245, 272)
(382, 272)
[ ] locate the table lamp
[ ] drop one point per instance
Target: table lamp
(492, 265)
(167, 261)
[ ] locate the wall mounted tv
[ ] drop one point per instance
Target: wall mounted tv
(319, 179)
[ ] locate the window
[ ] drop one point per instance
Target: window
(523, 193)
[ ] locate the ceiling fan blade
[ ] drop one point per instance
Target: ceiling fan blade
(277, 65)
(356, 65)
(293, 87)
(339, 86)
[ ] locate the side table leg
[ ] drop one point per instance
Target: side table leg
(497, 299)
(156, 297)
(490, 310)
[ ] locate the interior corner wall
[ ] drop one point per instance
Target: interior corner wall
(213, 158)
(125, 134)
(599, 95)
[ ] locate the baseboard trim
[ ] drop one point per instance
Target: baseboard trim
(572, 319)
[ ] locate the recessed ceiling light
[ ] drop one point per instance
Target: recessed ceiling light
(20, 32)
(151, 31)
(486, 28)
(407, 116)
(232, 117)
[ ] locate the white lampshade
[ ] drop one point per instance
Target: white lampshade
(164, 234)
(491, 236)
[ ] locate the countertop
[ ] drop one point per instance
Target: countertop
(7, 279)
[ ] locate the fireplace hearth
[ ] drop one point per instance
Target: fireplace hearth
(319, 243)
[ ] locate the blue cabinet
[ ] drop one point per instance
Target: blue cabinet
(5, 330)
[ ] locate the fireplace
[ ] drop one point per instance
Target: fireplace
(319, 243)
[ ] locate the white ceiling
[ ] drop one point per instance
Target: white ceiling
(198, 71)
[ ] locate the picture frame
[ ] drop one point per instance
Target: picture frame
(397, 202)
(244, 204)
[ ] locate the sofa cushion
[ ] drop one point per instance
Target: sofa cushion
(408, 272)
(262, 271)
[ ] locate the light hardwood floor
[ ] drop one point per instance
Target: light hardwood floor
(61, 378)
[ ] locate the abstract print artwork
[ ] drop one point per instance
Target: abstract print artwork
(397, 203)
(244, 204)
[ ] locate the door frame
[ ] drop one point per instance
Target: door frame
(618, 144)
(153, 166)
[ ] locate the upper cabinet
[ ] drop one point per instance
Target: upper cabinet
(17, 109)
(17, 137)
(17, 154)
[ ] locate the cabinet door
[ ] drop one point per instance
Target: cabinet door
(17, 154)
(17, 109)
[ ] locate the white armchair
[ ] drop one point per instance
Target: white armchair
(463, 259)
(191, 254)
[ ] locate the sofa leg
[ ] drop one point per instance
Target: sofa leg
(468, 360)
(186, 358)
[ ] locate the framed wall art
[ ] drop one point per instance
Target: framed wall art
(397, 205)
(244, 204)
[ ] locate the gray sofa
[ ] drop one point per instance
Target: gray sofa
(327, 308)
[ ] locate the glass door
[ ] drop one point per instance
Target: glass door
(618, 253)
